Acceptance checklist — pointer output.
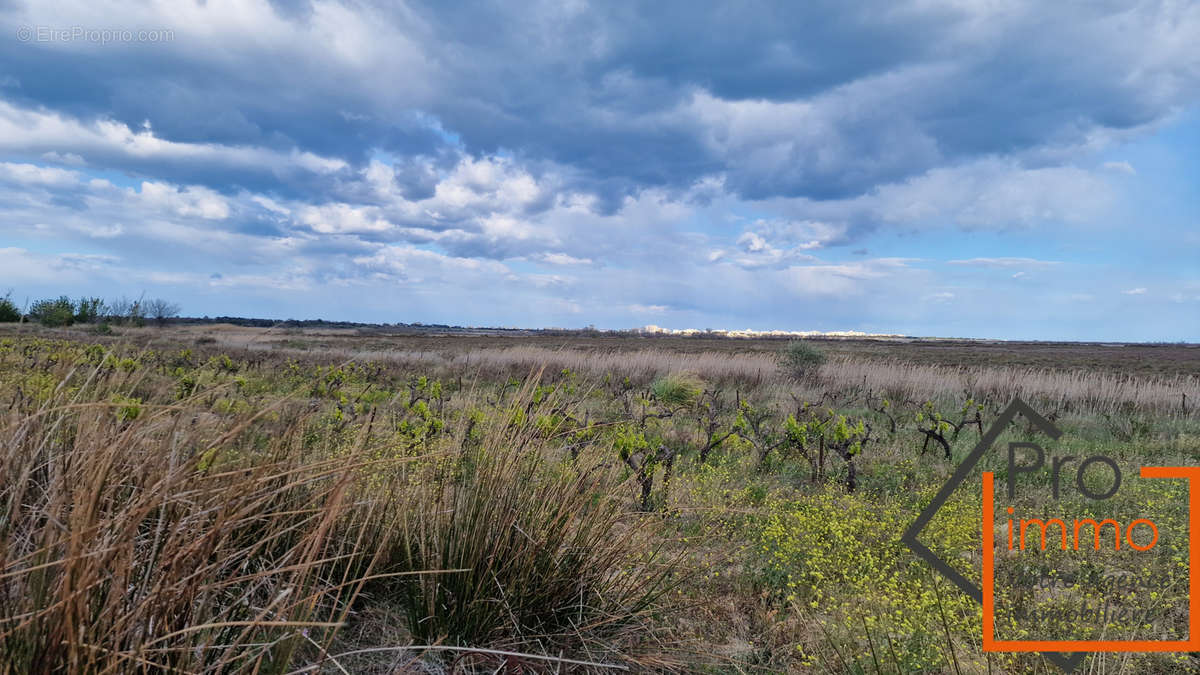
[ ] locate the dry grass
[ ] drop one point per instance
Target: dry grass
(1079, 391)
(149, 534)
(441, 510)
(544, 548)
(120, 552)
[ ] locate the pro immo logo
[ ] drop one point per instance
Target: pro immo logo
(1078, 555)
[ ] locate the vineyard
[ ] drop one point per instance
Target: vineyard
(174, 501)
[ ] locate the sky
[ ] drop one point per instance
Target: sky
(967, 168)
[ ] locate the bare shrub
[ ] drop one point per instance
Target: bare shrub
(126, 311)
(161, 310)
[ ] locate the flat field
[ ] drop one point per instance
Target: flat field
(216, 498)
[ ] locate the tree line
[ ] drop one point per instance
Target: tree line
(63, 311)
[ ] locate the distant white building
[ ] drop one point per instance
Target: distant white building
(750, 333)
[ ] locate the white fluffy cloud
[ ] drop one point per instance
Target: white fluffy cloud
(550, 162)
(102, 141)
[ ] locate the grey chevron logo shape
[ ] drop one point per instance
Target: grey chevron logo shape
(1067, 661)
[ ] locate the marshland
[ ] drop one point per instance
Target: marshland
(213, 498)
(666, 337)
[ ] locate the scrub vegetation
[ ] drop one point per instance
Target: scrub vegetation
(63, 311)
(180, 500)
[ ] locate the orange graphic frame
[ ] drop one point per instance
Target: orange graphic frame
(991, 644)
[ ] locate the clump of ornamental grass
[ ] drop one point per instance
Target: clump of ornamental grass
(539, 549)
(677, 389)
(128, 544)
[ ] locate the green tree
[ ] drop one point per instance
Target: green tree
(9, 313)
(54, 312)
(89, 310)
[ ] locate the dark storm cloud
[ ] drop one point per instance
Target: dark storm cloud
(559, 162)
(653, 96)
(787, 99)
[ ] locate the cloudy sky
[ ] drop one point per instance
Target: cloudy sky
(963, 168)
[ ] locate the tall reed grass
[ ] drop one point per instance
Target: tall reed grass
(141, 533)
(1082, 391)
(119, 553)
(542, 541)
